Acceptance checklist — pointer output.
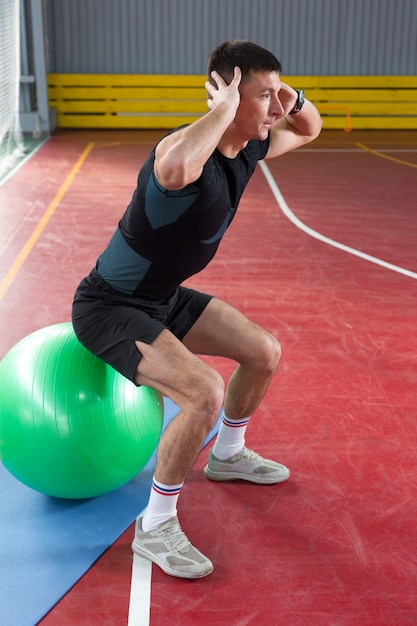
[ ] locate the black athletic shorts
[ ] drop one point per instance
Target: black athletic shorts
(108, 322)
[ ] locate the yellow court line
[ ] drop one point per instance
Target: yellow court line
(24, 253)
(384, 156)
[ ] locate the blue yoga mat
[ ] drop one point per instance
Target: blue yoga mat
(47, 544)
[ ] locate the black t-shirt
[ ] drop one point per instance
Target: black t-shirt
(167, 236)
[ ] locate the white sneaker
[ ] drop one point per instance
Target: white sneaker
(169, 547)
(246, 465)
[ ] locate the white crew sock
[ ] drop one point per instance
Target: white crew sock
(231, 437)
(162, 504)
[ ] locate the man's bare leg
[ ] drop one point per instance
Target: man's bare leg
(223, 331)
(172, 368)
(195, 387)
(198, 390)
(257, 354)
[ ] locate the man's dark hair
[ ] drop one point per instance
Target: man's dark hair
(247, 55)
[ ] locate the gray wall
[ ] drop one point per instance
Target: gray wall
(310, 37)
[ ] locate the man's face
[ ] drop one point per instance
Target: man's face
(259, 105)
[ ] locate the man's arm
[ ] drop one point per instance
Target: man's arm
(293, 131)
(181, 156)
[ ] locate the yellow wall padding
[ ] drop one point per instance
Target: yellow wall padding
(167, 101)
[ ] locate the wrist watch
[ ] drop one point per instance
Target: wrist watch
(299, 103)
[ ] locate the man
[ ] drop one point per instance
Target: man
(133, 312)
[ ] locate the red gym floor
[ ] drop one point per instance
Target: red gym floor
(324, 255)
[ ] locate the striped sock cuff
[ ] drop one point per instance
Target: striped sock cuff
(235, 423)
(166, 490)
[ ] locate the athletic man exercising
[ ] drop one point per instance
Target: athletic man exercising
(133, 312)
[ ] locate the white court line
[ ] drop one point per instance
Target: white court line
(386, 150)
(140, 592)
(313, 233)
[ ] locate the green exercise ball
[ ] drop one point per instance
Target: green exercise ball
(70, 425)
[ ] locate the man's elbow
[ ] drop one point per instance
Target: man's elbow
(318, 129)
(171, 173)
(314, 129)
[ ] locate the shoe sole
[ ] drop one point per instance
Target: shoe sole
(140, 551)
(259, 480)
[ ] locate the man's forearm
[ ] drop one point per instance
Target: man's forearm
(181, 156)
(307, 121)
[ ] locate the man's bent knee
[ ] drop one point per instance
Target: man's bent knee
(268, 353)
(207, 396)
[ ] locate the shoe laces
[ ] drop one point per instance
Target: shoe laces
(250, 455)
(175, 538)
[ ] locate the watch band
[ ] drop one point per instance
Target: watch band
(299, 103)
